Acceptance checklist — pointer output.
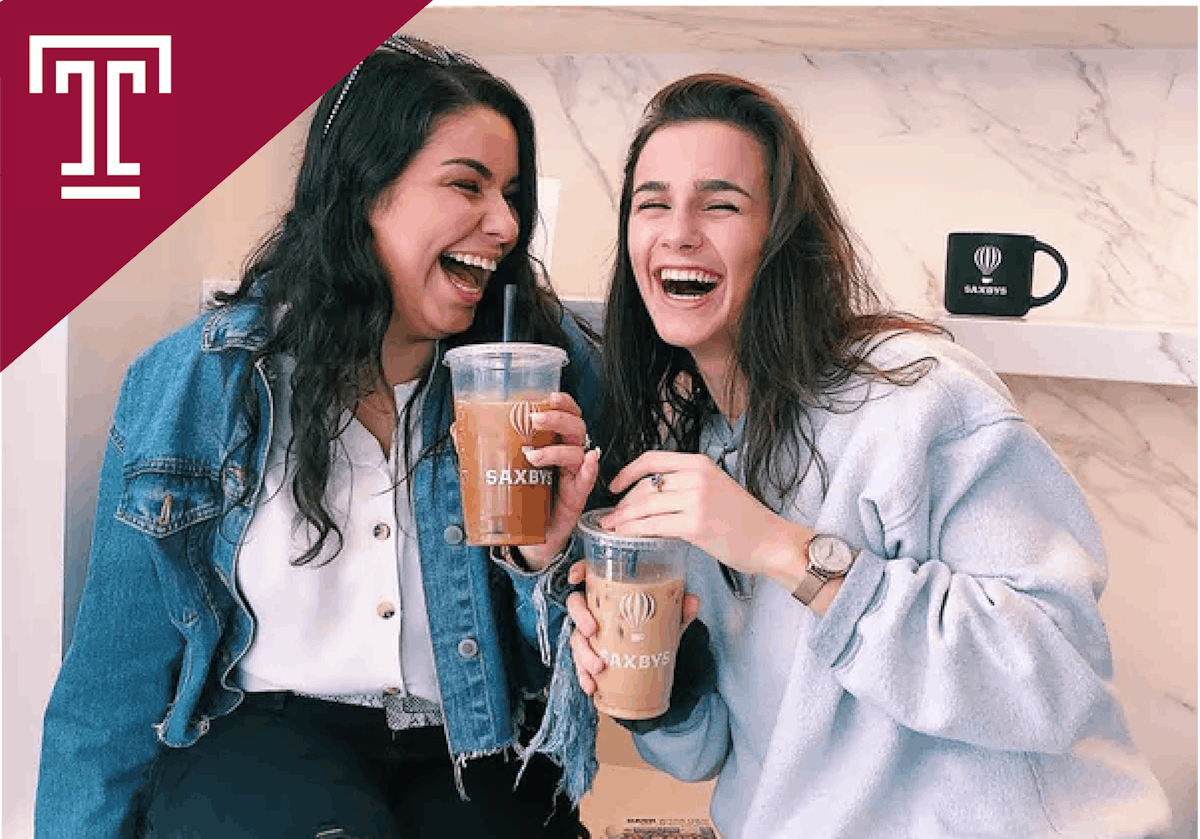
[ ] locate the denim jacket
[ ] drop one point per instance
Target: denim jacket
(161, 624)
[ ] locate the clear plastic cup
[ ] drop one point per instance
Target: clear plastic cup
(635, 587)
(506, 500)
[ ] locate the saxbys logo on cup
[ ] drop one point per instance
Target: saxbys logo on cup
(521, 418)
(992, 274)
(518, 477)
(636, 661)
(85, 64)
(636, 608)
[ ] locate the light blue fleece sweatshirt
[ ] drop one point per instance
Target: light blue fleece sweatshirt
(960, 683)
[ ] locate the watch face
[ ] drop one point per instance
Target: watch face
(830, 554)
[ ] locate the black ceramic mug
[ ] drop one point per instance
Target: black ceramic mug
(992, 274)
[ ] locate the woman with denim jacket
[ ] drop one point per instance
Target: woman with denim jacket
(898, 633)
(283, 632)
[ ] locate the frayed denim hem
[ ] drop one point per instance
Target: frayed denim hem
(567, 734)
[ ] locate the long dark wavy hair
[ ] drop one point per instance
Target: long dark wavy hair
(800, 337)
(317, 273)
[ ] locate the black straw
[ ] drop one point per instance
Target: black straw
(510, 299)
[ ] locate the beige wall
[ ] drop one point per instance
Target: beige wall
(34, 392)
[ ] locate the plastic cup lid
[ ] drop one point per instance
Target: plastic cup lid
(589, 525)
(507, 355)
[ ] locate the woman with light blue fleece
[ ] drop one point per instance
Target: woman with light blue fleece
(896, 579)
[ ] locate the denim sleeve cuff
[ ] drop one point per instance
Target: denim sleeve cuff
(542, 588)
(859, 590)
(503, 556)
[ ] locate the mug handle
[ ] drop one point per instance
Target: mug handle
(1062, 280)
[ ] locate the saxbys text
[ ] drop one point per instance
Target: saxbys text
(636, 661)
(994, 290)
(518, 477)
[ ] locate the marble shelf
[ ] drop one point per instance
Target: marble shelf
(1133, 353)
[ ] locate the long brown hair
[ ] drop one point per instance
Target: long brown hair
(801, 335)
(319, 275)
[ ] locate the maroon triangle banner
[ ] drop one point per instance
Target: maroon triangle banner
(117, 118)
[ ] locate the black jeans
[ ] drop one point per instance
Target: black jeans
(288, 767)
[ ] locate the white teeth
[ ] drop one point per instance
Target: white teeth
(687, 284)
(688, 275)
(473, 260)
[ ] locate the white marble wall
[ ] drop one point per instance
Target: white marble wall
(1132, 447)
(1093, 151)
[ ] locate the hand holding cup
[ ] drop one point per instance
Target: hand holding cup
(587, 663)
(578, 464)
(560, 440)
(629, 620)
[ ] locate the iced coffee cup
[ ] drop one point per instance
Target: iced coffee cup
(634, 589)
(506, 500)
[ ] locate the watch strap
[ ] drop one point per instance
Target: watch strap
(812, 582)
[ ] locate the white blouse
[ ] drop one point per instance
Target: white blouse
(354, 625)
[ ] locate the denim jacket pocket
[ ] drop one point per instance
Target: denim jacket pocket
(177, 503)
(164, 496)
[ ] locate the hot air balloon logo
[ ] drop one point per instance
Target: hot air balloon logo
(987, 260)
(636, 607)
(521, 417)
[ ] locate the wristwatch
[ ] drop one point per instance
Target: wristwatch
(828, 558)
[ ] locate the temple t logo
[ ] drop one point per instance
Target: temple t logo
(76, 172)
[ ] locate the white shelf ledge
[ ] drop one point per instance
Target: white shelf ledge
(1130, 353)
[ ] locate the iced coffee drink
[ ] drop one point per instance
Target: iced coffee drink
(497, 388)
(506, 500)
(635, 589)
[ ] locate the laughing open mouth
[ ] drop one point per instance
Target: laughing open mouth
(468, 270)
(687, 284)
